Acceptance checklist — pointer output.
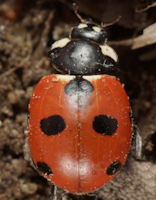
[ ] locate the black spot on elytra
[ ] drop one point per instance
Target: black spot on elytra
(78, 85)
(105, 125)
(43, 167)
(52, 125)
(113, 168)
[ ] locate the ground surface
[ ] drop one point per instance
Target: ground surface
(27, 29)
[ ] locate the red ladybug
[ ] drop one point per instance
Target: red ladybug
(79, 129)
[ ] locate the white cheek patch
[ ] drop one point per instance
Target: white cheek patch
(82, 26)
(60, 43)
(108, 51)
(96, 29)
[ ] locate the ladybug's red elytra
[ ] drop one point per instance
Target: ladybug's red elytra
(79, 129)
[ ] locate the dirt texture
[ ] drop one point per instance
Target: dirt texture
(27, 30)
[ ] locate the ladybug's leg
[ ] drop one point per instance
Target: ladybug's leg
(53, 192)
(143, 152)
(57, 194)
(137, 142)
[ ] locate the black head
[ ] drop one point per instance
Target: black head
(89, 31)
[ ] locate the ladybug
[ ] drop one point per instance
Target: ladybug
(79, 128)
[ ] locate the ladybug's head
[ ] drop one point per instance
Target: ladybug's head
(89, 31)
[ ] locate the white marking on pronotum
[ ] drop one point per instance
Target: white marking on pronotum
(82, 25)
(108, 51)
(60, 43)
(96, 29)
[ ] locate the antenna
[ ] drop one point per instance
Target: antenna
(110, 24)
(75, 7)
